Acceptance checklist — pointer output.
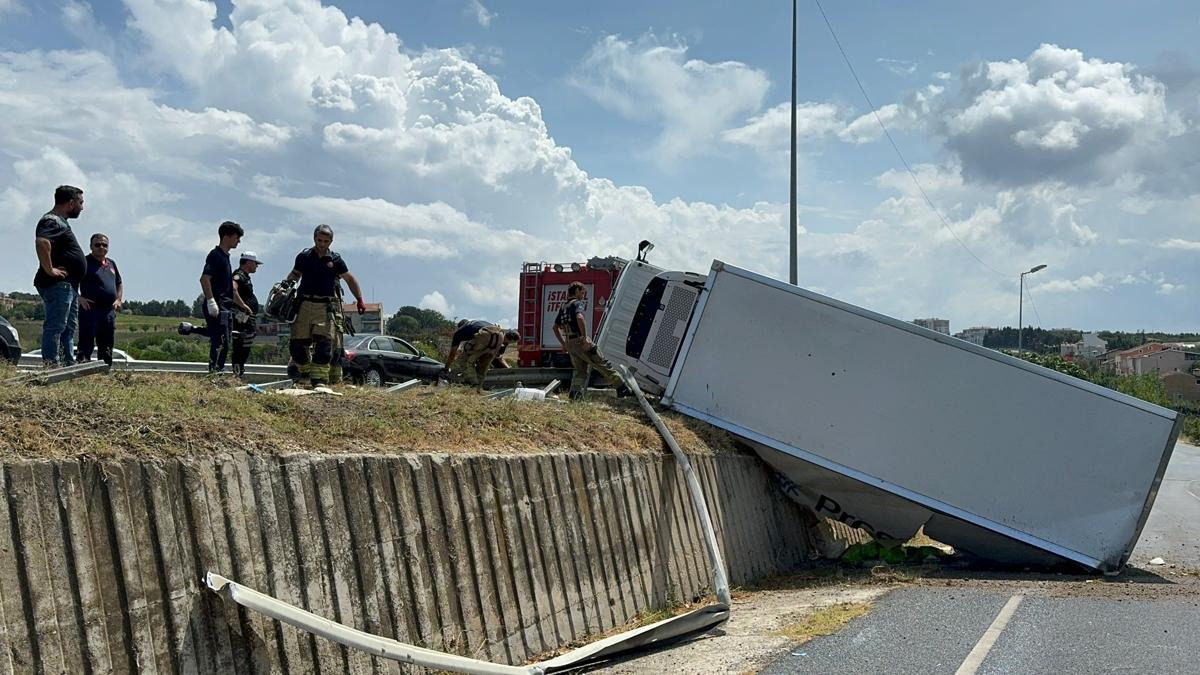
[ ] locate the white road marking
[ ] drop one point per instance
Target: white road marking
(980, 652)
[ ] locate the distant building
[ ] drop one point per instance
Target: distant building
(1123, 361)
(940, 325)
(973, 335)
(1167, 361)
(370, 321)
(1091, 347)
(6, 302)
(1182, 387)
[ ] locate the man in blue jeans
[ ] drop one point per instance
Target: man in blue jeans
(61, 266)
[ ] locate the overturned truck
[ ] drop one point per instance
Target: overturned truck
(890, 427)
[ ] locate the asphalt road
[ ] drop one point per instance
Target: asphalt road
(1143, 621)
(935, 630)
(1172, 531)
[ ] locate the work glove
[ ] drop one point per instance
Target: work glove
(211, 306)
(286, 284)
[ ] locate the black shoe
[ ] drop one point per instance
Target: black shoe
(185, 328)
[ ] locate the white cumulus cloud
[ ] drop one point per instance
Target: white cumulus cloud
(477, 11)
(690, 100)
(437, 302)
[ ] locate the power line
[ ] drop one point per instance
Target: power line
(888, 134)
(1029, 292)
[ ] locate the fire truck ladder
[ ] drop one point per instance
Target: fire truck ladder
(530, 309)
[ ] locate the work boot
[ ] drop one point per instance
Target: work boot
(185, 328)
(576, 395)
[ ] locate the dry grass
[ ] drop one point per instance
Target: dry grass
(824, 621)
(162, 414)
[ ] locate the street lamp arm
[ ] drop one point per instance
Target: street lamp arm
(1021, 308)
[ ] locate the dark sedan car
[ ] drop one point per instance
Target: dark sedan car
(376, 359)
(10, 343)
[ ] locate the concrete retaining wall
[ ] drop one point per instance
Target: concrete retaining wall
(500, 558)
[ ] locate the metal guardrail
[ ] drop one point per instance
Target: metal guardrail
(496, 378)
(257, 370)
(529, 377)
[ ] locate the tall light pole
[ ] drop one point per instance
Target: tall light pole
(792, 216)
(1021, 307)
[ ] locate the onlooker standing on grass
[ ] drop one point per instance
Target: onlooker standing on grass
(60, 268)
(100, 296)
(217, 283)
(245, 321)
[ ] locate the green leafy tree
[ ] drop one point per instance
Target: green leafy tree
(403, 326)
(414, 323)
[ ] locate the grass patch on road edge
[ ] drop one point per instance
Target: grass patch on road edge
(824, 621)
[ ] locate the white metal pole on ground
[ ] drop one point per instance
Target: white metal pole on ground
(351, 637)
(720, 579)
(402, 386)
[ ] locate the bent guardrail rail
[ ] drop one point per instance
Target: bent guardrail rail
(698, 620)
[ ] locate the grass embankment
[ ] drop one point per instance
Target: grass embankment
(167, 415)
(129, 328)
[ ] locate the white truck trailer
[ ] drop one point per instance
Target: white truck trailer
(887, 426)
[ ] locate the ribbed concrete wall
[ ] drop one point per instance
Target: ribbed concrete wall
(499, 558)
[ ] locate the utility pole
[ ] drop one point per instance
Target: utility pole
(1021, 307)
(792, 220)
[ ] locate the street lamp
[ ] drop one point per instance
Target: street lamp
(1021, 307)
(792, 267)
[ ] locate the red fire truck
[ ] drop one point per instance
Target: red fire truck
(543, 293)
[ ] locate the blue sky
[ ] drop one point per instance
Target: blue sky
(447, 141)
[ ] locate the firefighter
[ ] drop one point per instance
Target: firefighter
(571, 331)
(317, 269)
(476, 347)
(341, 327)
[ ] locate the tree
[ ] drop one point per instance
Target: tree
(427, 319)
(403, 326)
(198, 307)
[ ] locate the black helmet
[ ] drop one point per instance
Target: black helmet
(282, 303)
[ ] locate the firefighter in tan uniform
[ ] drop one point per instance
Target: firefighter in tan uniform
(339, 337)
(571, 331)
(476, 347)
(318, 269)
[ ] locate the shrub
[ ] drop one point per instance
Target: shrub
(1191, 428)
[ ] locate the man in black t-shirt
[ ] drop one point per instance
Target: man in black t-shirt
(245, 323)
(60, 268)
(318, 270)
(571, 330)
(216, 281)
(482, 345)
(100, 296)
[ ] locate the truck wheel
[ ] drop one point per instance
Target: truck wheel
(373, 377)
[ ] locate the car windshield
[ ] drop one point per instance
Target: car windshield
(357, 341)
